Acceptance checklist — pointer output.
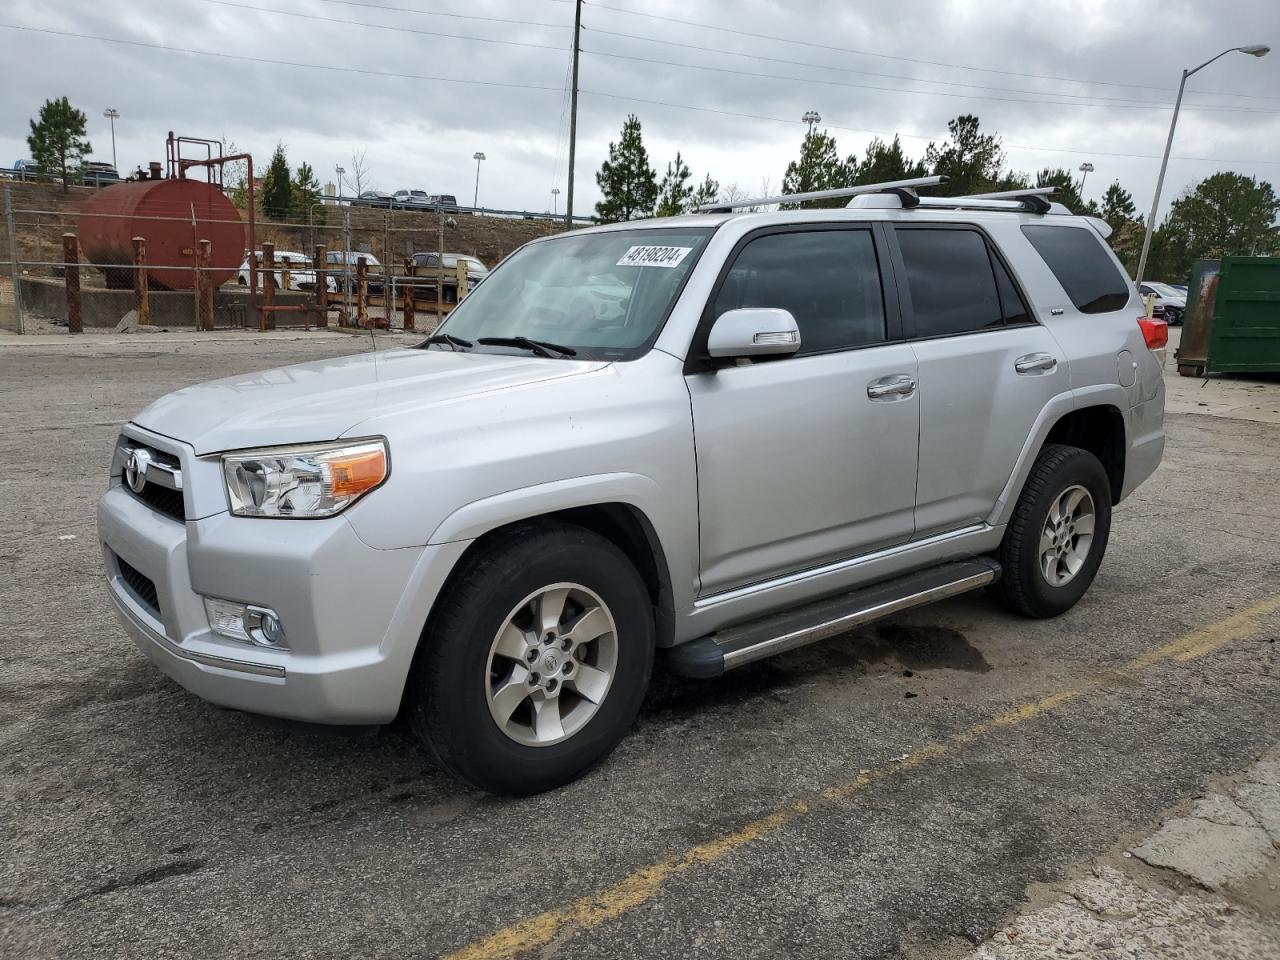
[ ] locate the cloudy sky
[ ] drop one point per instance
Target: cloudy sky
(423, 84)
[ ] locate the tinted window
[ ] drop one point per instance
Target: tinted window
(828, 279)
(1077, 258)
(953, 289)
(1012, 307)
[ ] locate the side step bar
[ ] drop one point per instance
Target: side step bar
(712, 655)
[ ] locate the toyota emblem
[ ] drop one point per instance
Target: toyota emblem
(135, 469)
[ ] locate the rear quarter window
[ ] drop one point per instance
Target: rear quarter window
(1080, 262)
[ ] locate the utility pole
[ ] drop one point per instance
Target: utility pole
(573, 112)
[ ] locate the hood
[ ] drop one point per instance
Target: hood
(325, 399)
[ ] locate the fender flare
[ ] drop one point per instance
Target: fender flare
(1099, 395)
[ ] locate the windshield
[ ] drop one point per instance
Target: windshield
(605, 295)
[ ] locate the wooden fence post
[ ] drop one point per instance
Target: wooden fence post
(206, 287)
(320, 259)
(362, 291)
(71, 273)
(409, 268)
(462, 281)
(141, 286)
(268, 286)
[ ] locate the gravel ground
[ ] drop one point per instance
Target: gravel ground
(897, 791)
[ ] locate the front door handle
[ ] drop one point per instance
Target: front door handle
(892, 387)
(1035, 363)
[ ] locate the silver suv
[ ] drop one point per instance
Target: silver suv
(720, 436)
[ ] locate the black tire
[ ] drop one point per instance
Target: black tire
(448, 710)
(1023, 586)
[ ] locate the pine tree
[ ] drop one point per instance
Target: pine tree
(886, 162)
(707, 192)
(971, 161)
(277, 188)
(674, 193)
(629, 184)
(304, 191)
(57, 140)
(1117, 206)
(819, 168)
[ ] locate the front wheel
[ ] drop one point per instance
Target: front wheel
(1055, 540)
(535, 663)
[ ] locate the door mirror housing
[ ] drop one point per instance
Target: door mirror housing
(753, 332)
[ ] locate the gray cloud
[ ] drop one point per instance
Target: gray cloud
(421, 132)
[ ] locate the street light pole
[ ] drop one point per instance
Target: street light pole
(1254, 50)
(1086, 168)
(112, 114)
(477, 157)
(811, 117)
(555, 200)
(339, 169)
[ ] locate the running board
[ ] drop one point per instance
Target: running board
(776, 633)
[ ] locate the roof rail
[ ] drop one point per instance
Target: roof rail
(904, 188)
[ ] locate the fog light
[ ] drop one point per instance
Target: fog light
(245, 622)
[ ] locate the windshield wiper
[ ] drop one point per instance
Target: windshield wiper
(447, 338)
(541, 347)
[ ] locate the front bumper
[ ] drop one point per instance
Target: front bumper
(352, 614)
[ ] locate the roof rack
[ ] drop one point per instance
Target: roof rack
(1031, 199)
(904, 189)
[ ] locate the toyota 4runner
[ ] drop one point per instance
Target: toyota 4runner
(721, 435)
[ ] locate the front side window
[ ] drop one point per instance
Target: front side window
(829, 281)
(952, 285)
(1077, 258)
(605, 295)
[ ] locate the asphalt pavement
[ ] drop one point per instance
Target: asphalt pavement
(896, 791)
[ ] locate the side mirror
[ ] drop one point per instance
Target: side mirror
(754, 332)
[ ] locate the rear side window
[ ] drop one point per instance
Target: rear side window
(952, 285)
(828, 279)
(1077, 258)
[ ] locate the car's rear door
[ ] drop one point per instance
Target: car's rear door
(805, 458)
(987, 368)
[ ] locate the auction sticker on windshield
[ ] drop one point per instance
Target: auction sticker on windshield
(653, 256)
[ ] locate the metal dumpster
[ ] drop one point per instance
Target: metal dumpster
(1232, 323)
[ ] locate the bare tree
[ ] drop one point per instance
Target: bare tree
(360, 170)
(734, 194)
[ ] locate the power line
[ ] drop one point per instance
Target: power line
(441, 13)
(397, 28)
(1105, 102)
(281, 63)
(884, 56)
(909, 136)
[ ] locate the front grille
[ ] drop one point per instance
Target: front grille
(143, 587)
(168, 502)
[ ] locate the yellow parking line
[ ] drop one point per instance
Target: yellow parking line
(646, 883)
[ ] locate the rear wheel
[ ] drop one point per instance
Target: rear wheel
(1055, 540)
(536, 661)
(1190, 370)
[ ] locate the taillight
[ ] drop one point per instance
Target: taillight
(1155, 332)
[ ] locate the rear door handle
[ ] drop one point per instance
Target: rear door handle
(1035, 363)
(892, 387)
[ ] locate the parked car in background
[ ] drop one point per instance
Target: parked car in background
(445, 202)
(96, 174)
(302, 274)
(1169, 298)
(372, 198)
(476, 272)
(341, 265)
(410, 200)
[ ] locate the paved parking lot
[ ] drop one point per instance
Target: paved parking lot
(895, 791)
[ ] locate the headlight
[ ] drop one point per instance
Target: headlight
(317, 480)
